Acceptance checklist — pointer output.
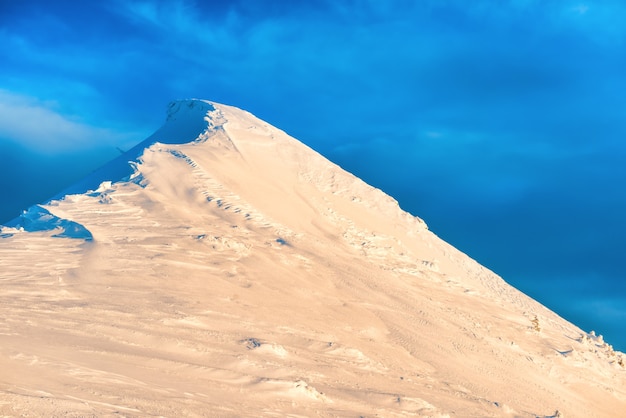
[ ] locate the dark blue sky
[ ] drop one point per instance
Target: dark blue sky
(501, 123)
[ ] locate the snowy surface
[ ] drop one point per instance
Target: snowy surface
(232, 271)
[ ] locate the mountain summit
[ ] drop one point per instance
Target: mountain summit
(230, 270)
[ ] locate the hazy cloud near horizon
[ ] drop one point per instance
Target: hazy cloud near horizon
(38, 127)
(499, 123)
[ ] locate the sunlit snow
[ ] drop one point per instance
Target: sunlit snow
(222, 268)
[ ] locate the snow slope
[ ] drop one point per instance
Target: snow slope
(233, 271)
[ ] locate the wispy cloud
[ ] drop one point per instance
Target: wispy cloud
(580, 9)
(182, 23)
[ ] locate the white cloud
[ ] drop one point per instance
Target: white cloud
(36, 125)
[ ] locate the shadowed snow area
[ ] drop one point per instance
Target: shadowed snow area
(37, 219)
(232, 271)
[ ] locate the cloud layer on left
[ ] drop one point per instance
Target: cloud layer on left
(37, 127)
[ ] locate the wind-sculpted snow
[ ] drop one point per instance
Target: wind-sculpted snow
(235, 272)
(186, 121)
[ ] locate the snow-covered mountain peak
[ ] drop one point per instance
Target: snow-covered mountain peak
(185, 121)
(231, 270)
(188, 108)
(231, 143)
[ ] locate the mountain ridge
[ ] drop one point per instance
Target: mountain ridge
(240, 272)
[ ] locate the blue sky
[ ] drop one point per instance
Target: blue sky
(501, 123)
